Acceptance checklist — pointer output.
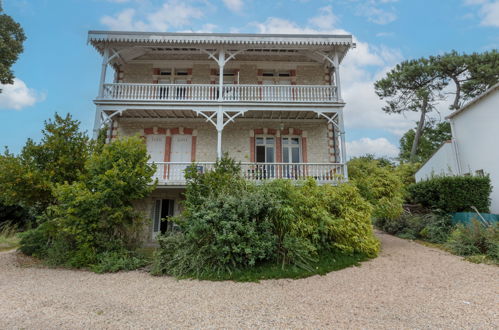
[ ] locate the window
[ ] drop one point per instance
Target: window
(265, 149)
(163, 210)
(479, 173)
(291, 149)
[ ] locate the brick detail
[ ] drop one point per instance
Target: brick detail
(193, 148)
(304, 149)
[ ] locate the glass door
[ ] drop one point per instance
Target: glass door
(291, 154)
(265, 154)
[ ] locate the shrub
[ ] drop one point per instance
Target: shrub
(111, 262)
(95, 215)
(453, 193)
(230, 224)
(379, 184)
(431, 227)
(475, 239)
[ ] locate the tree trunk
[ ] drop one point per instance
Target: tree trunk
(419, 130)
(457, 98)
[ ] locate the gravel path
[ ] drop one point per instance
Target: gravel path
(407, 286)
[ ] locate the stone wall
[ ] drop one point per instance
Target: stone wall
(236, 136)
(312, 74)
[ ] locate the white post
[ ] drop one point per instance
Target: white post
(97, 122)
(105, 59)
(220, 114)
(343, 143)
(337, 75)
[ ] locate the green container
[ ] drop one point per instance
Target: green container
(465, 217)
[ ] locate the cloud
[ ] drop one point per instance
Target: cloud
(488, 11)
(361, 68)
(380, 147)
(234, 5)
(171, 14)
(18, 96)
(326, 18)
(372, 9)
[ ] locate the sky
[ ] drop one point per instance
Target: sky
(59, 71)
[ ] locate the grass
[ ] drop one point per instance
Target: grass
(9, 238)
(326, 264)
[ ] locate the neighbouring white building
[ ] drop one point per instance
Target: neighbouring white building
(474, 149)
(272, 102)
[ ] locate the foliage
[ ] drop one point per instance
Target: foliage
(230, 225)
(28, 180)
(432, 137)
(12, 38)
(406, 173)
(16, 215)
(434, 228)
(453, 193)
(475, 239)
(471, 74)
(94, 215)
(413, 85)
(9, 238)
(379, 184)
(111, 262)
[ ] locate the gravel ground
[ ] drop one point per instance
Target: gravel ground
(407, 286)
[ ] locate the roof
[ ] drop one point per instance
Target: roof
(473, 101)
(95, 37)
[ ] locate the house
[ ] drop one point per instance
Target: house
(272, 102)
(474, 149)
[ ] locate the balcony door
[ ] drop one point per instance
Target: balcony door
(265, 154)
(156, 149)
(291, 154)
(180, 153)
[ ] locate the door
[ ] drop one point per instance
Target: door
(156, 149)
(163, 210)
(291, 154)
(180, 153)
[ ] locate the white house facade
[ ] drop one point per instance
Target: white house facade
(272, 102)
(474, 146)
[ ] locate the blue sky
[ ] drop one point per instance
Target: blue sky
(59, 72)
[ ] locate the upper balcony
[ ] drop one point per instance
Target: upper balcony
(181, 93)
(305, 68)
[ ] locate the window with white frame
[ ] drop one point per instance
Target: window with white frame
(265, 149)
(291, 149)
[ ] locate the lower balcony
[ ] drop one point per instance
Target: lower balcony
(173, 173)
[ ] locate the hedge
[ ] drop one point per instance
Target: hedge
(453, 193)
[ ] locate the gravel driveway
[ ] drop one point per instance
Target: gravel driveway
(407, 286)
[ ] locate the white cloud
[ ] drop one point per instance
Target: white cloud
(361, 68)
(326, 18)
(376, 12)
(380, 147)
(18, 96)
(489, 11)
(172, 14)
(234, 5)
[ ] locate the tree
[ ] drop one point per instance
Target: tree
(471, 74)
(12, 38)
(28, 179)
(434, 134)
(413, 85)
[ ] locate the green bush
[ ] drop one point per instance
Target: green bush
(453, 193)
(431, 227)
(230, 224)
(94, 215)
(475, 239)
(111, 262)
(379, 184)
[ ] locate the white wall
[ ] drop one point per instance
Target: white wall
(476, 132)
(443, 162)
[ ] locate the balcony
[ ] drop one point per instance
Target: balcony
(210, 93)
(172, 173)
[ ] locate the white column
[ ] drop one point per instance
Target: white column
(97, 122)
(105, 59)
(337, 75)
(343, 143)
(220, 114)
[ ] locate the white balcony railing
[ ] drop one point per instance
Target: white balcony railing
(209, 92)
(172, 173)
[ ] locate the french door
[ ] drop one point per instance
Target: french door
(163, 211)
(291, 154)
(265, 153)
(180, 153)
